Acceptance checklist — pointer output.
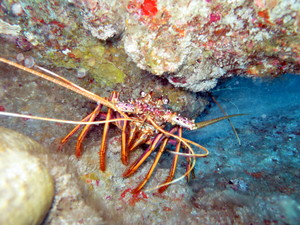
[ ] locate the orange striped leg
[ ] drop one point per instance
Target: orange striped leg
(144, 156)
(174, 164)
(102, 151)
(69, 135)
(124, 150)
(147, 177)
(123, 126)
(86, 128)
(132, 133)
(141, 139)
(136, 138)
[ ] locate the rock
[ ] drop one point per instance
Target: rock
(26, 187)
(192, 43)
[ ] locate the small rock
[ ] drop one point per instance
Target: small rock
(29, 62)
(17, 9)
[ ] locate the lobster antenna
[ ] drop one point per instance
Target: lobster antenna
(60, 120)
(231, 124)
(183, 140)
(193, 156)
(65, 83)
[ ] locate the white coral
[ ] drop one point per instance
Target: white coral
(6, 28)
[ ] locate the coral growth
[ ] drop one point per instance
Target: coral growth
(191, 43)
(196, 42)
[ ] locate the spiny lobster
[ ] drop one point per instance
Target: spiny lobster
(141, 121)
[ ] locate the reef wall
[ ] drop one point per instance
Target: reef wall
(190, 43)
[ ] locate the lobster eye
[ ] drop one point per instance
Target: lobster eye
(165, 101)
(143, 94)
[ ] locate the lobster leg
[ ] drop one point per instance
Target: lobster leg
(144, 156)
(147, 177)
(124, 149)
(135, 139)
(141, 139)
(132, 132)
(186, 143)
(86, 128)
(69, 135)
(124, 143)
(155, 142)
(123, 126)
(174, 164)
(102, 151)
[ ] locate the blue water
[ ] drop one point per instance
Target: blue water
(259, 179)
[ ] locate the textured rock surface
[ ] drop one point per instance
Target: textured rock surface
(26, 187)
(190, 43)
(105, 19)
(196, 42)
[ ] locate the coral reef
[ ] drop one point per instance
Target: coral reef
(105, 19)
(190, 43)
(196, 42)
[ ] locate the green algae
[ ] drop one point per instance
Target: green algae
(91, 57)
(110, 72)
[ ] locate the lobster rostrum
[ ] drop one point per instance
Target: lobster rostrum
(141, 121)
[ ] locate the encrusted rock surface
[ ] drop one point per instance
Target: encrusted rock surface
(190, 43)
(103, 18)
(196, 42)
